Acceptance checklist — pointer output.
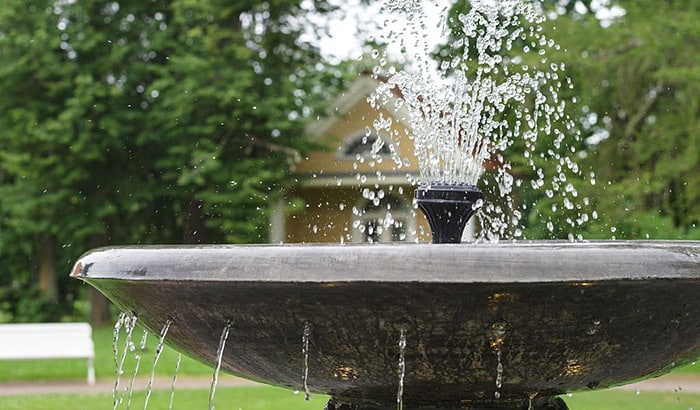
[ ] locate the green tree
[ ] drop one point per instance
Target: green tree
(145, 122)
(229, 114)
(638, 99)
(70, 170)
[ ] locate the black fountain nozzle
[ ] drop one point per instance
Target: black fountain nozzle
(448, 208)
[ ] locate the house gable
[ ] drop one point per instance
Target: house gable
(349, 118)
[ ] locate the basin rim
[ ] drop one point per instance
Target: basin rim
(511, 262)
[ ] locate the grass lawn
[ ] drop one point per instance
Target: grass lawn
(688, 369)
(627, 400)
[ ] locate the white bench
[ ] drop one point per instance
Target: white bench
(48, 341)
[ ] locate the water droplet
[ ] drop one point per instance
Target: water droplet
(593, 328)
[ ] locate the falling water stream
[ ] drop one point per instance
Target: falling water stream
(118, 364)
(499, 374)
(530, 398)
(128, 321)
(305, 355)
(172, 384)
(497, 337)
(402, 369)
(159, 350)
(219, 358)
(137, 356)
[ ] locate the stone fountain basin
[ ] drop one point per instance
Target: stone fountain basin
(564, 316)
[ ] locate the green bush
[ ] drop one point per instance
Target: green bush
(24, 304)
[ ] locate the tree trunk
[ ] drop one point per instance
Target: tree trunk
(99, 304)
(46, 267)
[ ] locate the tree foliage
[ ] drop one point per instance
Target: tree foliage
(166, 121)
(637, 102)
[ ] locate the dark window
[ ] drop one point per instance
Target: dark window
(361, 144)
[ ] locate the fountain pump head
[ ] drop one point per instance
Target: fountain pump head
(448, 208)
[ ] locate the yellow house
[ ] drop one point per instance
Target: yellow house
(348, 194)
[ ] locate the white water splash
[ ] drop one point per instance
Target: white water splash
(219, 358)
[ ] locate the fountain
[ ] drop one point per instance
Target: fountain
(555, 317)
(499, 325)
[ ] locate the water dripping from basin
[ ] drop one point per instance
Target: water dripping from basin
(137, 351)
(217, 368)
(128, 321)
(174, 381)
(305, 357)
(159, 350)
(402, 369)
